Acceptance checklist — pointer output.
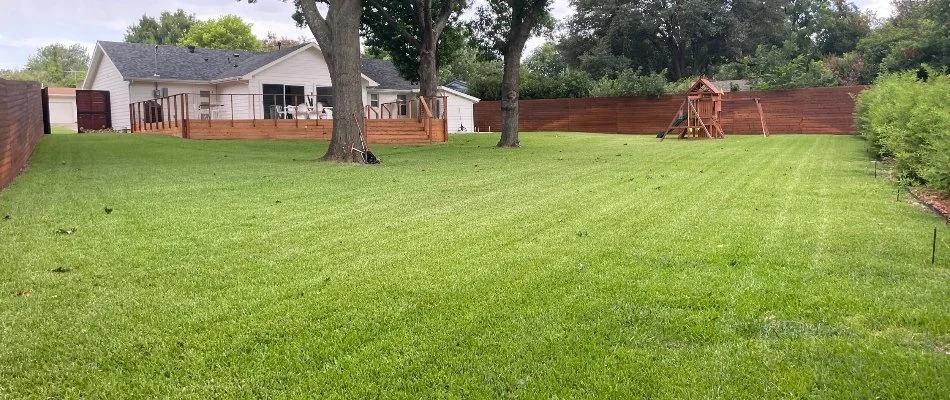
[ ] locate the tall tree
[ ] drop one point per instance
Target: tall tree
(168, 29)
(503, 27)
(338, 35)
(410, 32)
(605, 37)
(227, 32)
(840, 28)
(54, 65)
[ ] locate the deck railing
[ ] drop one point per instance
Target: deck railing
(171, 113)
(435, 107)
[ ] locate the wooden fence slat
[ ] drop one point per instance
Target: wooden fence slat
(811, 110)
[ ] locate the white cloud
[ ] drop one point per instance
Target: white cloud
(881, 8)
(86, 21)
(28, 25)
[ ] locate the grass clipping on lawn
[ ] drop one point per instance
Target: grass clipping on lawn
(580, 265)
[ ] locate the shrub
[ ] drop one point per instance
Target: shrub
(631, 82)
(908, 119)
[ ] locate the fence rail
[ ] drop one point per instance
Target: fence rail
(21, 126)
(812, 110)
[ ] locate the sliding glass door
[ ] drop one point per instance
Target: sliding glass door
(278, 97)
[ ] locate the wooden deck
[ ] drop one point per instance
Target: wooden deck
(172, 117)
(378, 131)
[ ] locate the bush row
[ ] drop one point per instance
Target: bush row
(908, 118)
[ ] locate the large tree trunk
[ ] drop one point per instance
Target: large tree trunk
(428, 85)
(339, 38)
(509, 100)
(523, 19)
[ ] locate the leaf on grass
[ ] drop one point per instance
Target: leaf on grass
(62, 270)
(66, 231)
(23, 293)
(108, 210)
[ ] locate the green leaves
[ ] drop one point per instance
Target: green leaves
(907, 119)
(228, 32)
(167, 30)
(55, 65)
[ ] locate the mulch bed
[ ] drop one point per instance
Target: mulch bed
(939, 202)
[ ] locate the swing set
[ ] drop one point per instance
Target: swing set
(700, 115)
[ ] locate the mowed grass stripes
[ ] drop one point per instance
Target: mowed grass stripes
(581, 265)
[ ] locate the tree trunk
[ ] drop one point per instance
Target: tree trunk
(509, 99)
(428, 85)
(524, 18)
(339, 38)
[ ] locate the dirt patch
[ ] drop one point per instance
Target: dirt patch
(939, 202)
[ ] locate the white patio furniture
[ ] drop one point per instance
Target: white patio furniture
(283, 112)
(302, 111)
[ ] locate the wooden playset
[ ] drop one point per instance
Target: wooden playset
(700, 115)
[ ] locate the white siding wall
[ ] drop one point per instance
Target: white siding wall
(62, 111)
(461, 112)
(242, 103)
(144, 90)
(307, 68)
(108, 78)
(388, 97)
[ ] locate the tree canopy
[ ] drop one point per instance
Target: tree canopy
(168, 29)
(55, 65)
(227, 32)
(415, 34)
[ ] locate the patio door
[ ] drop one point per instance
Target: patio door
(277, 97)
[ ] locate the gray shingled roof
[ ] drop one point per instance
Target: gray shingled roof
(138, 61)
(386, 75)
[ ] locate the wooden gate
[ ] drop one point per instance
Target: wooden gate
(93, 110)
(44, 95)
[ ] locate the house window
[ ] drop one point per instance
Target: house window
(204, 104)
(325, 95)
(374, 100)
(403, 106)
(277, 97)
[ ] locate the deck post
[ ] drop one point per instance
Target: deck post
(186, 121)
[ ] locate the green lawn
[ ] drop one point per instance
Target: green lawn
(61, 131)
(581, 265)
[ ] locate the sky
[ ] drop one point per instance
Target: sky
(27, 25)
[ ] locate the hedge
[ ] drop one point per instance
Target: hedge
(908, 119)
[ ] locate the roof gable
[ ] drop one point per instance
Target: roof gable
(703, 84)
(146, 61)
(386, 75)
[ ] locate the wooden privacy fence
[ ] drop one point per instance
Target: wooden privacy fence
(258, 116)
(813, 110)
(21, 126)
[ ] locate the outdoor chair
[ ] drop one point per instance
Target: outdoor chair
(283, 112)
(302, 111)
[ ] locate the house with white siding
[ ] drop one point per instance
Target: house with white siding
(292, 82)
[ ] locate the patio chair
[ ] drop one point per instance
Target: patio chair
(316, 112)
(302, 111)
(282, 112)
